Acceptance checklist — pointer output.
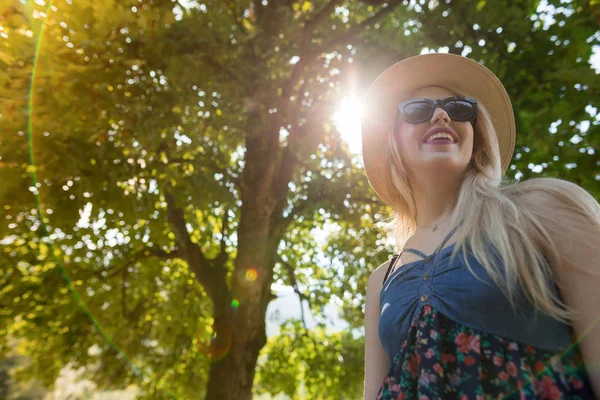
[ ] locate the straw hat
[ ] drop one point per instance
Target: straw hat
(456, 73)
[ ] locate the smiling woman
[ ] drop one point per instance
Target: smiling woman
(513, 316)
(347, 121)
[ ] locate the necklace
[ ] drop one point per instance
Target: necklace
(435, 226)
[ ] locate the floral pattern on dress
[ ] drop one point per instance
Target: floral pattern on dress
(442, 359)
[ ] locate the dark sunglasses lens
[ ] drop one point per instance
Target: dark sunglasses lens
(417, 111)
(460, 110)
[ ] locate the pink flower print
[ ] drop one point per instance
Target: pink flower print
(498, 361)
(423, 397)
(522, 395)
(432, 377)
(511, 368)
(395, 387)
(402, 396)
(454, 379)
(430, 353)
(503, 376)
(438, 368)
(424, 378)
(463, 340)
(426, 310)
(474, 344)
(469, 361)
(433, 334)
(513, 346)
(464, 397)
(547, 389)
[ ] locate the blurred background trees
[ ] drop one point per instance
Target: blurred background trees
(167, 166)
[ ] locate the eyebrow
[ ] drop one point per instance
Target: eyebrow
(442, 98)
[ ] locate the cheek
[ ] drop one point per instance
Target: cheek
(405, 133)
(404, 142)
(472, 140)
(468, 134)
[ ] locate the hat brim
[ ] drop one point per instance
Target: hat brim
(456, 73)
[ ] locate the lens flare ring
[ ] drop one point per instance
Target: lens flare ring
(137, 370)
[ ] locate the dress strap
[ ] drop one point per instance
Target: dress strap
(447, 237)
(396, 256)
(417, 252)
(392, 262)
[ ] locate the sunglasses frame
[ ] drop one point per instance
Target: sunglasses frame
(435, 104)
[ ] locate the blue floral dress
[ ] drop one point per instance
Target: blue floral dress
(440, 358)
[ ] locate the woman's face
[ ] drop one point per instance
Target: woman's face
(422, 159)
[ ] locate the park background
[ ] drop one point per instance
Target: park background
(177, 177)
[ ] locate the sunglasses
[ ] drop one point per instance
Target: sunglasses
(458, 108)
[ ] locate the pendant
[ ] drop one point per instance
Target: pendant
(435, 227)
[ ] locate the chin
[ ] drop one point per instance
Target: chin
(443, 164)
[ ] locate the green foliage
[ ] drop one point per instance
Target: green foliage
(323, 362)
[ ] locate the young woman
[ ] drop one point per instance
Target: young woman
(496, 293)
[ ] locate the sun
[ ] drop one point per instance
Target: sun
(347, 121)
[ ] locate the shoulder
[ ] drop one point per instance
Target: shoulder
(377, 275)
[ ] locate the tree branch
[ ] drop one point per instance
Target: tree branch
(234, 13)
(323, 13)
(144, 253)
(357, 29)
(210, 274)
(290, 270)
(176, 219)
(223, 256)
(312, 130)
(221, 68)
(212, 166)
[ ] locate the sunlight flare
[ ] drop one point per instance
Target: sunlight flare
(347, 121)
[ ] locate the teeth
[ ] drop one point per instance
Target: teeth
(440, 135)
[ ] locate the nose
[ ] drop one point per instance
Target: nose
(440, 114)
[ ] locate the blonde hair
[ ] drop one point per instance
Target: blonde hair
(495, 213)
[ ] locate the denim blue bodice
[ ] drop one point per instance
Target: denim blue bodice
(449, 286)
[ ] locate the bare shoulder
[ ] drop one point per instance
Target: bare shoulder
(376, 277)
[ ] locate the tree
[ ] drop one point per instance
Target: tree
(183, 158)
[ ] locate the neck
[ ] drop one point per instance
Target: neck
(435, 200)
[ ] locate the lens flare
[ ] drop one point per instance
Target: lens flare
(214, 342)
(56, 252)
(251, 274)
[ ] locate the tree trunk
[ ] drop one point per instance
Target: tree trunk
(233, 376)
(243, 325)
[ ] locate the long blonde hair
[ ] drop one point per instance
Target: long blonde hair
(494, 212)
